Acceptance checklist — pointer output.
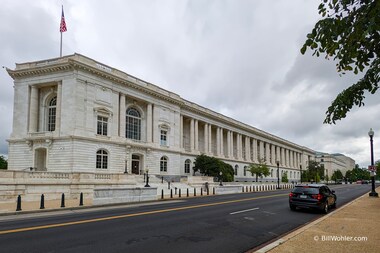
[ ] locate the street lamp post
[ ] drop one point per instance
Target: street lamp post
(220, 182)
(301, 173)
(373, 193)
(327, 177)
(147, 178)
(278, 175)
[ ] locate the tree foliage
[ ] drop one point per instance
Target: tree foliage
(211, 166)
(357, 174)
(350, 34)
(337, 175)
(3, 163)
(284, 177)
(315, 171)
(259, 170)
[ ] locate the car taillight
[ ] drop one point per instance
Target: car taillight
(317, 196)
(291, 195)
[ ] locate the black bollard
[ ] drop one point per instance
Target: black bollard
(179, 192)
(195, 192)
(18, 208)
(162, 194)
(213, 191)
(187, 192)
(242, 189)
(207, 191)
(42, 205)
(81, 199)
(63, 200)
(201, 191)
(171, 193)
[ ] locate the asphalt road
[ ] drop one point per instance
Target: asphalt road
(224, 223)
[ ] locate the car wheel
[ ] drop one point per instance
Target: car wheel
(293, 208)
(333, 205)
(325, 208)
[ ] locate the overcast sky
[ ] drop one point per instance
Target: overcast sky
(240, 58)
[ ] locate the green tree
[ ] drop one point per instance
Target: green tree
(3, 163)
(337, 175)
(315, 171)
(259, 170)
(211, 166)
(349, 33)
(377, 164)
(284, 177)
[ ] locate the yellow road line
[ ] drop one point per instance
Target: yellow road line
(132, 215)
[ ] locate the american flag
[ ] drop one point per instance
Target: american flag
(63, 27)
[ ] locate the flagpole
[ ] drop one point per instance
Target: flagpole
(62, 29)
(60, 51)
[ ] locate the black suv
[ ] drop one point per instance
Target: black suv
(314, 196)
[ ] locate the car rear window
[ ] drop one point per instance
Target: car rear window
(306, 190)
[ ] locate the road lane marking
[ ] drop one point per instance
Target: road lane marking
(17, 230)
(243, 211)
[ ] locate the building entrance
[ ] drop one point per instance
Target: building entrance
(135, 164)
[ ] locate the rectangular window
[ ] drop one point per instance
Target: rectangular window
(51, 119)
(163, 138)
(102, 125)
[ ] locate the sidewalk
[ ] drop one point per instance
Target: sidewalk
(354, 227)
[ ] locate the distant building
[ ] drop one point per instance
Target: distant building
(73, 114)
(333, 162)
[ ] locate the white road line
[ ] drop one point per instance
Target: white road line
(243, 211)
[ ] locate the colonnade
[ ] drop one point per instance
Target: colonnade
(203, 137)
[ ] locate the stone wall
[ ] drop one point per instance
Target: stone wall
(30, 185)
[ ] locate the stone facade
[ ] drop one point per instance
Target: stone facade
(73, 114)
(334, 162)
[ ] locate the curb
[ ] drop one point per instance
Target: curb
(305, 227)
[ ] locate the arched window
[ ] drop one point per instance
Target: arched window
(133, 128)
(52, 109)
(164, 164)
(245, 170)
(101, 159)
(291, 174)
(187, 166)
(236, 169)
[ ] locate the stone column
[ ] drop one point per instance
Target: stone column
(273, 153)
(287, 158)
(291, 159)
(218, 141)
(149, 123)
(181, 131)
(238, 146)
(122, 116)
(210, 138)
(261, 147)
(33, 110)
(221, 143)
(59, 108)
(254, 149)
(191, 134)
(247, 149)
(267, 151)
(282, 157)
(196, 139)
(232, 144)
(228, 144)
(278, 154)
(206, 138)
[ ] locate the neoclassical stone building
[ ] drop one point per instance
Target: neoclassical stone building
(74, 114)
